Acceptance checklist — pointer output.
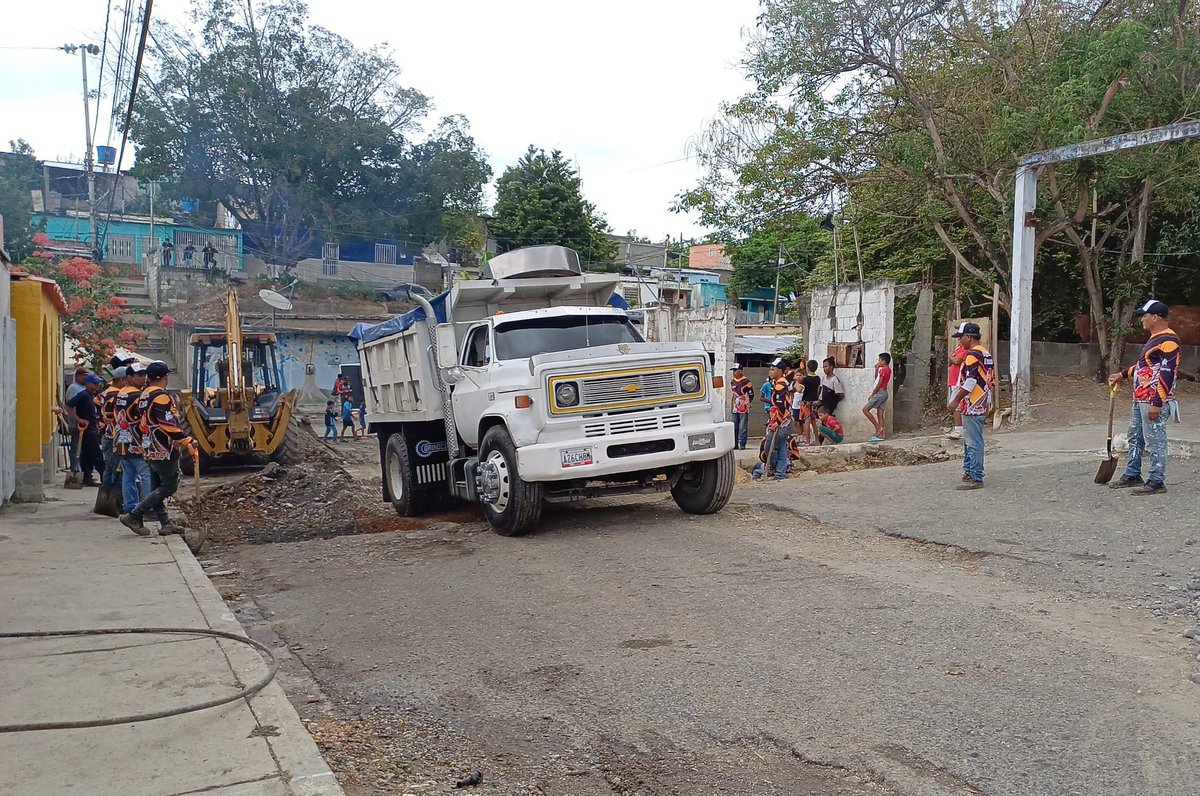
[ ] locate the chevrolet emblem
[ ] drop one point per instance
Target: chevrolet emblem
(630, 388)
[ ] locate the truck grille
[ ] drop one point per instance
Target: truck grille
(633, 426)
(633, 386)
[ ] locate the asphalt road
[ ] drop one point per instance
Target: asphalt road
(865, 632)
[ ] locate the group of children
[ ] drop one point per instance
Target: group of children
(342, 395)
(801, 409)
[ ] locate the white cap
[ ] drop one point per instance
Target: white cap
(736, 366)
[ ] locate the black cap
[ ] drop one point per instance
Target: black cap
(967, 329)
(134, 368)
(119, 362)
(1152, 307)
(157, 369)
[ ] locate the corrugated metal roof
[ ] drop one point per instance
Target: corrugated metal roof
(765, 344)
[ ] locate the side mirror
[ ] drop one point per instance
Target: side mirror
(447, 346)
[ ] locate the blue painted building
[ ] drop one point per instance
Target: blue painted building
(127, 238)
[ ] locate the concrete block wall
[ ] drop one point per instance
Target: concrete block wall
(834, 318)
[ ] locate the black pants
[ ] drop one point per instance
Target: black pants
(164, 482)
(91, 459)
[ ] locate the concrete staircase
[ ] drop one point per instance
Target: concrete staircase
(141, 311)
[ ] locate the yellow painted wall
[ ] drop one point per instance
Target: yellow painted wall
(39, 368)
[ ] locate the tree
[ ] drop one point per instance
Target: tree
(95, 318)
(755, 259)
(539, 201)
(918, 111)
(19, 174)
(298, 132)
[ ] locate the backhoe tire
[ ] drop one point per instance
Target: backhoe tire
(705, 487)
(289, 452)
(402, 481)
(519, 507)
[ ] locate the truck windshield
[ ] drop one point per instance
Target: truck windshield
(523, 339)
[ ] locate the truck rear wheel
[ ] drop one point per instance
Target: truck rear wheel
(518, 504)
(401, 482)
(705, 487)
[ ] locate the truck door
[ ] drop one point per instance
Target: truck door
(474, 394)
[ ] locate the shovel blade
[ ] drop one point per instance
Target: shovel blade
(1108, 468)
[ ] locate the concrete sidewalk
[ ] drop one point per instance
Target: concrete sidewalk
(63, 568)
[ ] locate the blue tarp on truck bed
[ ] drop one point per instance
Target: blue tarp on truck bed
(370, 332)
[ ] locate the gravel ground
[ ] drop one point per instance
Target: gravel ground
(860, 632)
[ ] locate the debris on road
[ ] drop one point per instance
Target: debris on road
(474, 778)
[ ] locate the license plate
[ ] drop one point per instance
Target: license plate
(576, 457)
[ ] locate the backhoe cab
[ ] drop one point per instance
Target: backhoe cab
(235, 405)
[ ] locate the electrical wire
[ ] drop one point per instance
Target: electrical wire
(245, 692)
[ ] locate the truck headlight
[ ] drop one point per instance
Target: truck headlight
(689, 381)
(566, 394)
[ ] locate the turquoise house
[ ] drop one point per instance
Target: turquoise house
(127, 239)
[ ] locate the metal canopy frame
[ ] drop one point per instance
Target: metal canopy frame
(1025, 232)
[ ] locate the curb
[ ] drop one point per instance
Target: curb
(300, 763)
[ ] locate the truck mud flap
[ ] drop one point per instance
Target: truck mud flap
(427, 452)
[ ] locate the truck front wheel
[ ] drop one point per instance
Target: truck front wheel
(705, 487)
(514, 506)
(401, 481)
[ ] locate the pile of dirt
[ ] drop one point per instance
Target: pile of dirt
(313, 500)
(317, 499)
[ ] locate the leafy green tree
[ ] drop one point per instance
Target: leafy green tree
(298, 131)
(539, 201)
(918, 112)
(799, 240)
(19, 174)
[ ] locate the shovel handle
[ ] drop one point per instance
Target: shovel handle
(1112, 409)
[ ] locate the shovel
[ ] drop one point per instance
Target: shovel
(201, 530)
(1108, 467)
(74, 480)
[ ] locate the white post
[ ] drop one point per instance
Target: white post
(1021, 320)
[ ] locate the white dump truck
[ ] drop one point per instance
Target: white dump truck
(527, 386)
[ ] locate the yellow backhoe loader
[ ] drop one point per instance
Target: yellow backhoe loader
(235, 406)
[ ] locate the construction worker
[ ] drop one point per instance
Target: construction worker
(107, 499)
(779, 421)
(87, 423)
(973, 398)
(163, 442)
(1153, 378)
(743, 393)
(127, 440)
(106, 399)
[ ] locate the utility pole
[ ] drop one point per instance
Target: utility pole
(89, 158)
(778, 271)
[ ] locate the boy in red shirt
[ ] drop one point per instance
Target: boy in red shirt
(875, 408)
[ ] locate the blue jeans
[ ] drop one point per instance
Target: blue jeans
(330, 431)
(741, 428)
(135, 481)
(109, 476)
(778, 455)
(1148, 435)
(973, 446)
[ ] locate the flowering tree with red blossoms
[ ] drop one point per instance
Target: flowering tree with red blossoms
(95, 317)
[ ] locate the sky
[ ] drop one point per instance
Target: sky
(621, 87)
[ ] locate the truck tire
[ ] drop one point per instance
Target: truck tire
(289, 451)
(705, 487)
(401, 481)
(519, 507)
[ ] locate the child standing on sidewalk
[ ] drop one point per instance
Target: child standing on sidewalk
(330, 422)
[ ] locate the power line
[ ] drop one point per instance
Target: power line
(103, 56)
(137, 71)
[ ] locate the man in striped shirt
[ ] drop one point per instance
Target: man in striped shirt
(1153, 378)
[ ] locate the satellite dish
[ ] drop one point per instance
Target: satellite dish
(276, 301)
